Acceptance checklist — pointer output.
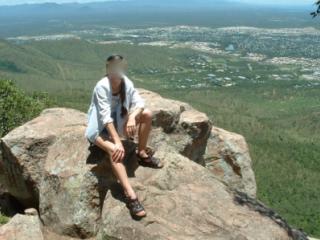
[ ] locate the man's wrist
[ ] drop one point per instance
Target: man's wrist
(117, 141)
(132, 116)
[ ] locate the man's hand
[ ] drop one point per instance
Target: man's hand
(131, 126)
(118, 152)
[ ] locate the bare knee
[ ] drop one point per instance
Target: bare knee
(147, 114)
(105, 145)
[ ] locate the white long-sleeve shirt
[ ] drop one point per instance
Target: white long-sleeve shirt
(99, 112)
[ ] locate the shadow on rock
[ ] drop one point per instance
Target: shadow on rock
(104, 173)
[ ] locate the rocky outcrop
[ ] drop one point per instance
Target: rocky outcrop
(227, 156)
(47, 164)
(28, 226)
(45, 167)
(225, 153)
(22, 227)
(188, 128)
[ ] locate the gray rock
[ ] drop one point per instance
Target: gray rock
(31, 212)
(227, 156)
(47, 164)
(184, 201)
(189, 129)
(22, 227)
(45, 168)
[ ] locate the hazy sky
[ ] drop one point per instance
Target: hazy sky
(296, 2)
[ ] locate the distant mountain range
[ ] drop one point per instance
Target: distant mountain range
(130, 3)
(53, 18)
(51, 9)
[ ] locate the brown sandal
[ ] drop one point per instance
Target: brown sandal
(134, 206)
(149, 161)
(149, 151)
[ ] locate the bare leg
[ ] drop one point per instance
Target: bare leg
(118, 169)
(145, 121)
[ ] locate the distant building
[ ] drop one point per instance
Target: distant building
(230, 48)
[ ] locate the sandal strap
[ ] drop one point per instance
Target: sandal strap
(149, 151)
(155, 160)
(134, 205)
(149, 160)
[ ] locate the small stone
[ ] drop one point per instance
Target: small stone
(31, 212)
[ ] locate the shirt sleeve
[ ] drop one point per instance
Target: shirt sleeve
(137, 100)
(103, 105)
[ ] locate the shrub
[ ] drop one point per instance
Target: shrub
(17, 107)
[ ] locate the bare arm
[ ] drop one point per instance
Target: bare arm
(113, 133)
(137, 107)
(104, 112)
(118, 151)
(136, 112)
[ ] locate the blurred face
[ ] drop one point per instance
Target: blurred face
(115, 70)
(115, 79)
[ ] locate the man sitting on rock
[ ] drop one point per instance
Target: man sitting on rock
(115, 111)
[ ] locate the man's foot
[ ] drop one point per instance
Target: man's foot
(136, 209)
(143, 155)
(148, 160)
(148, 150)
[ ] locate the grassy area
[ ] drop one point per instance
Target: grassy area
(3, 219)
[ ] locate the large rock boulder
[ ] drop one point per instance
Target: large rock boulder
(189, 129)
(227, 156)
(22, 227)
(184, 201)
(29, 227)
(225, 153)
(47, 164)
